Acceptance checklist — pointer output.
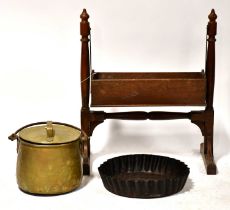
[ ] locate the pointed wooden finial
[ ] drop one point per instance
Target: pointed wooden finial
(84, 26)
(84, 15)
(212, 16)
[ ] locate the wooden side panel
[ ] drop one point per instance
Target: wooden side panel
(147, 92)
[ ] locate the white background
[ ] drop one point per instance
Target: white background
(40, 80)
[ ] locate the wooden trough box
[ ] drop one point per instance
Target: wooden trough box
(148, 89)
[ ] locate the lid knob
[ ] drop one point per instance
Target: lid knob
(50, 131)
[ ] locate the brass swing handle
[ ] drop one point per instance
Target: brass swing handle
(83, 145)
(14, 135)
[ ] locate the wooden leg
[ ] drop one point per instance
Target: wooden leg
(207, 154)
(206, 148)
(204, 120)
(85, 126)
(89, 120)
(86, 158)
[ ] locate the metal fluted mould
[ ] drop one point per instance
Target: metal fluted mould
(143, 175)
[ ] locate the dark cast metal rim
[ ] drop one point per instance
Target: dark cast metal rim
(143, 175)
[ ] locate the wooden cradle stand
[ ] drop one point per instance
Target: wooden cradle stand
(149, 89)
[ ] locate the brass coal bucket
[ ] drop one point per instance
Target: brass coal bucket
(49, 158)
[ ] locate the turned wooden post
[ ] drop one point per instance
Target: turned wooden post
(85, 84)
(207, 147)
(210, 59)
(210, 76)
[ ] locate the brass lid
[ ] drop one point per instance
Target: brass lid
(50, 133)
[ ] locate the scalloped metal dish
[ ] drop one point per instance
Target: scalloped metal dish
(143, 176)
